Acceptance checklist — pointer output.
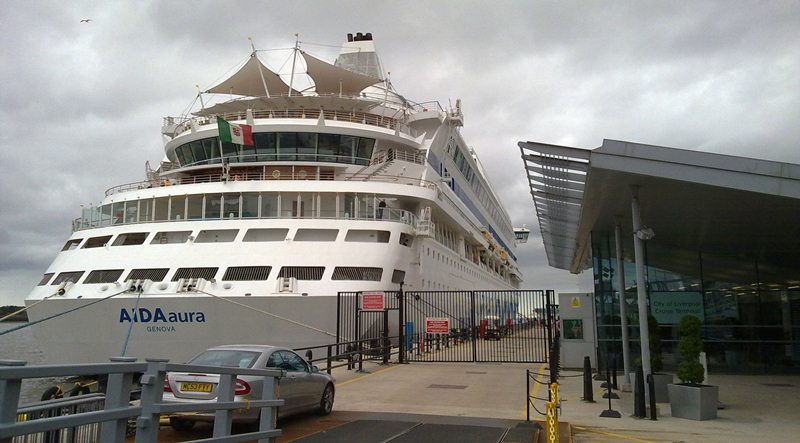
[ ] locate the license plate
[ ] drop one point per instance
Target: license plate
(196, 387)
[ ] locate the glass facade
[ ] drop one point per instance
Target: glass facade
(278, 146)
(751, 321)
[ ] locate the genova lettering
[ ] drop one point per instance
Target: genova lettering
(157, 315)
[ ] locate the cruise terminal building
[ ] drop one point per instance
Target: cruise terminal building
(677, 232)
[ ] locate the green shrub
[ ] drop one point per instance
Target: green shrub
(690, 345)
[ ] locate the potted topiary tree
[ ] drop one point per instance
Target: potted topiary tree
(691, 399)
(660, 379)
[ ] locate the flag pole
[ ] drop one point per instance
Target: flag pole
(253, 54)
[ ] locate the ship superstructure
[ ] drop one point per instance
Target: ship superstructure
(348, 186)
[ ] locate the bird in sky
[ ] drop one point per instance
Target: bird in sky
(86, 20)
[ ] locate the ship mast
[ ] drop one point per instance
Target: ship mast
(253, 54)
(294, 60)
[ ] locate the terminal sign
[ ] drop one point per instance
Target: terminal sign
(437, 325)
(372, 301)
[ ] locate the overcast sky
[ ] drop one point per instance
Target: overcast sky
(81, 104)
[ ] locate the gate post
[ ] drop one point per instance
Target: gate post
(385, 347)
(402, 324)
(550, 326)
(472, 315)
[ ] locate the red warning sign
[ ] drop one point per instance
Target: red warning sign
(437, 325)
(373, 301)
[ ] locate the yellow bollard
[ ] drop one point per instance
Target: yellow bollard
(551, 427)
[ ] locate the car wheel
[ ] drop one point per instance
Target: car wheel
(326, 403)
(181, 424)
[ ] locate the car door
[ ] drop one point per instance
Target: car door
(302, 380)
(287, 386)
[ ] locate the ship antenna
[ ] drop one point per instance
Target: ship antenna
(253, 54)
(294, 59)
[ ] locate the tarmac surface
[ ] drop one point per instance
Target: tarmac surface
(482, 402)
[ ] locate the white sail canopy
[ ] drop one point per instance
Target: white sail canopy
(248, 81)
(330, 79)
(293, 102)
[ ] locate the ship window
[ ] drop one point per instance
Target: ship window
(307, 144)
(213, 205)
(287, 146)
(327, 146)
(364, 153)
(255, 235)
(216, 235)
(130, 238)
(230, 205)
(250, 205)
(266, 147)
(162, 209)
(269, 205)
(168, 237)
(247, 273)
(198, 152)
(96, 242)
(73, 276)
(72, 244)
(155, 274)
(177, 208)
(195, 204)
(204, 273)
(398, 276)
(211, 149)
(229, 150)
(357, 273)
(302, 272)
(406, 239)
(46, 278)
(103, 276)
(367, 235)
(316, 235)
(347, 145)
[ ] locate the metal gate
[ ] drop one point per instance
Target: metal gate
(457, 326)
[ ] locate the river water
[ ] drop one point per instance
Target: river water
(20, 345)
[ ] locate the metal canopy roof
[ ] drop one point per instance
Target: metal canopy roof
(741, 208)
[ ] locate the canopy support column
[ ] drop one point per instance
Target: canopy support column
(641, 290)
(623, 310)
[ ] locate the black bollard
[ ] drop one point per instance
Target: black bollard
(588, 395)
(609, 384)
(638, 398)
(610, 413)
(614, 372)
(651, 391)
(599, 376)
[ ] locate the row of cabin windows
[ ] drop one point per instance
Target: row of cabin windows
(233, 273)
(278, 146)
(229, 235)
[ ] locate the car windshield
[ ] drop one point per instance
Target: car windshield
(226, 357)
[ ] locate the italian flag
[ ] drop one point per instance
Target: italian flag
(233, 133)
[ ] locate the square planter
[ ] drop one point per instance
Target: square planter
(695, 402)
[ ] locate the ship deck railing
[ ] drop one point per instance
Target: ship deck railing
(117, 413)
(359, 117)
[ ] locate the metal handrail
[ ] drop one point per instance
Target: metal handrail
(117, 410)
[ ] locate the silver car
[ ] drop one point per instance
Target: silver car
(303, 387)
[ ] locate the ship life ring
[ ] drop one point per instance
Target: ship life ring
(52, 393)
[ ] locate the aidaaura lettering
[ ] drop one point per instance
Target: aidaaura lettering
(157, 315)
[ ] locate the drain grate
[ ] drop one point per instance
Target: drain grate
(477, 372)
(778, 385)
(448, 386)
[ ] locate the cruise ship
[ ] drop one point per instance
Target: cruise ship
(270, 200)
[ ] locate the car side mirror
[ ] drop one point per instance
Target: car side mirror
(314, 369)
